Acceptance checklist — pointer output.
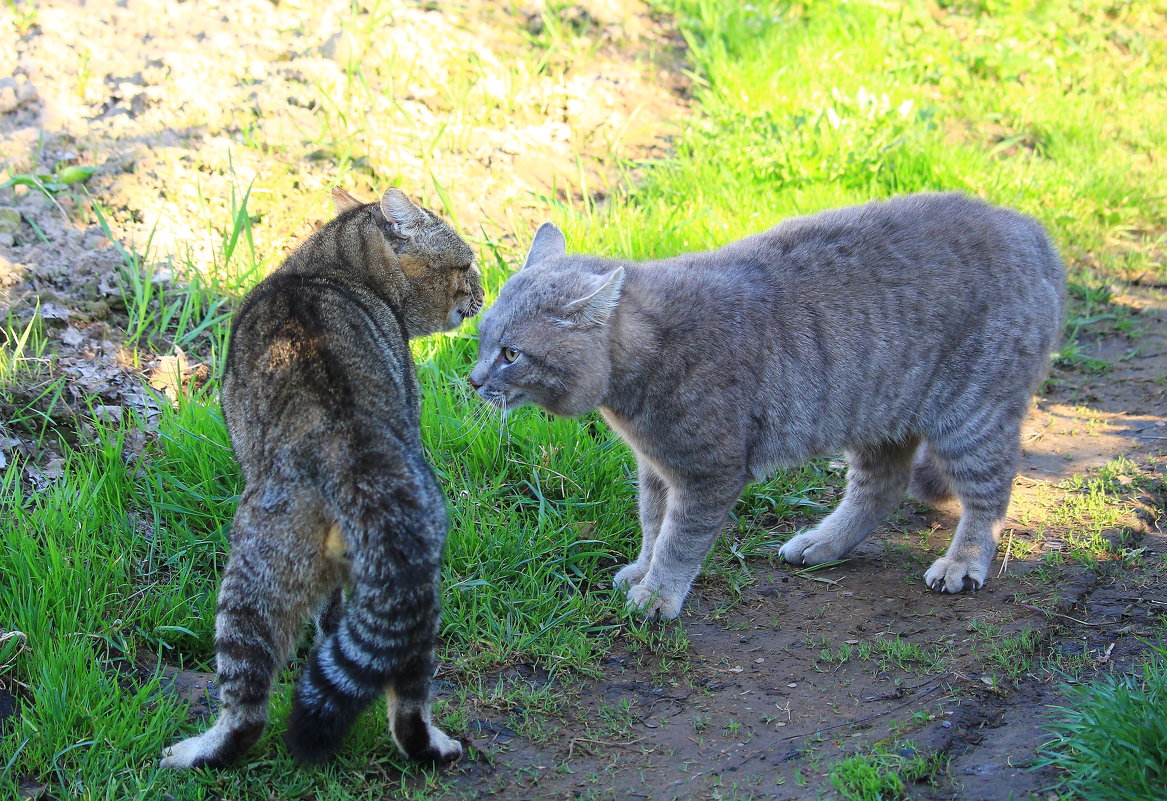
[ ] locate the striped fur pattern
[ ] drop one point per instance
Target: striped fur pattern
(322, 405)
(909, 334)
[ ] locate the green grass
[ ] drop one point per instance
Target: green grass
(888, 653)
(111, 572)
(883, 774)
(1013, 656)
(1110, 738)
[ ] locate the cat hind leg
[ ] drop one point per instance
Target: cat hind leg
(877, 479)
(264, 597)
(383, 640)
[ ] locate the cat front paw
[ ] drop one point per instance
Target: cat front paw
(956, 575)
(655, 603)
(629, 575)
(812, 548)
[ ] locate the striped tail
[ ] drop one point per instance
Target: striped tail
(383, 643)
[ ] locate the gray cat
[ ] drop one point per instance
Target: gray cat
(911, 334)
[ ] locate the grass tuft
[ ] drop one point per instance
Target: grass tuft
(1110, 739)
(883, 774)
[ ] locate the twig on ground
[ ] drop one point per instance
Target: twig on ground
(1067, 617)
(802, 573)
(589, 741)
(1008, 550)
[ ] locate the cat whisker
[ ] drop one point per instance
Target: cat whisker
(502, 425)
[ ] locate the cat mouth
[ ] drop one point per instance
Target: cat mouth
(502, 400)
(461, 312)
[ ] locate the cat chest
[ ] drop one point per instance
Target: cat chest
(646, 450)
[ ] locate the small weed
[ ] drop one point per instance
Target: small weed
(616, 719)
(1014, 656)
(25, 14)
(906, 655)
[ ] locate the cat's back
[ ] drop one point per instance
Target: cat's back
(316, 361)
(929, 239)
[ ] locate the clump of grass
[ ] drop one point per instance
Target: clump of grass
(883, 774)
(1013, 656)
(1110, 739)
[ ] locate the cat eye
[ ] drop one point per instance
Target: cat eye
(510, 354)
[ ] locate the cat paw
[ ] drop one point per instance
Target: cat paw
(954, 575)
(441, 748)
(629, 575)
(655, 603)
(445, 747)
(811, 548)
(192, 752)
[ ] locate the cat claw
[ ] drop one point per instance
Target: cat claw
(953, 576)
(810, 548)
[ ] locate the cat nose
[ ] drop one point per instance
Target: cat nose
(473, 383)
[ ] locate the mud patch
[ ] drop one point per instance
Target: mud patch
(199, 690)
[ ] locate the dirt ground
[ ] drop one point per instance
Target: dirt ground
(756, 699)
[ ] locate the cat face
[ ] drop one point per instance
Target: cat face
(545, 341)
(442, 284)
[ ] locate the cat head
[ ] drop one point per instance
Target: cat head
(546, 339)
(439, 284)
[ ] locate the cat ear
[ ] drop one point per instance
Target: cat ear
(548, 243)
(343, 201)
(596, 308)
(400, 211)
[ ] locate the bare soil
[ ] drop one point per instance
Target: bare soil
(163, 100)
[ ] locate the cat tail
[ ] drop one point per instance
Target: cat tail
(384, 639)
(929, 482)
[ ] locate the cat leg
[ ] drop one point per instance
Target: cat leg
(929, 483)
(408, 707)
(268, 587)
(693, 517)
(328, 614)
(877, 478)
(982, 468)
(652, 501)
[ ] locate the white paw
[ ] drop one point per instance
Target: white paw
(812, 548)
(186, 753)
(629, 575)
(655, 602)
(449, 749)
(954, 575)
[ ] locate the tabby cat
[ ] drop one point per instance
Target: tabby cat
(322, 406)
(910, 334)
